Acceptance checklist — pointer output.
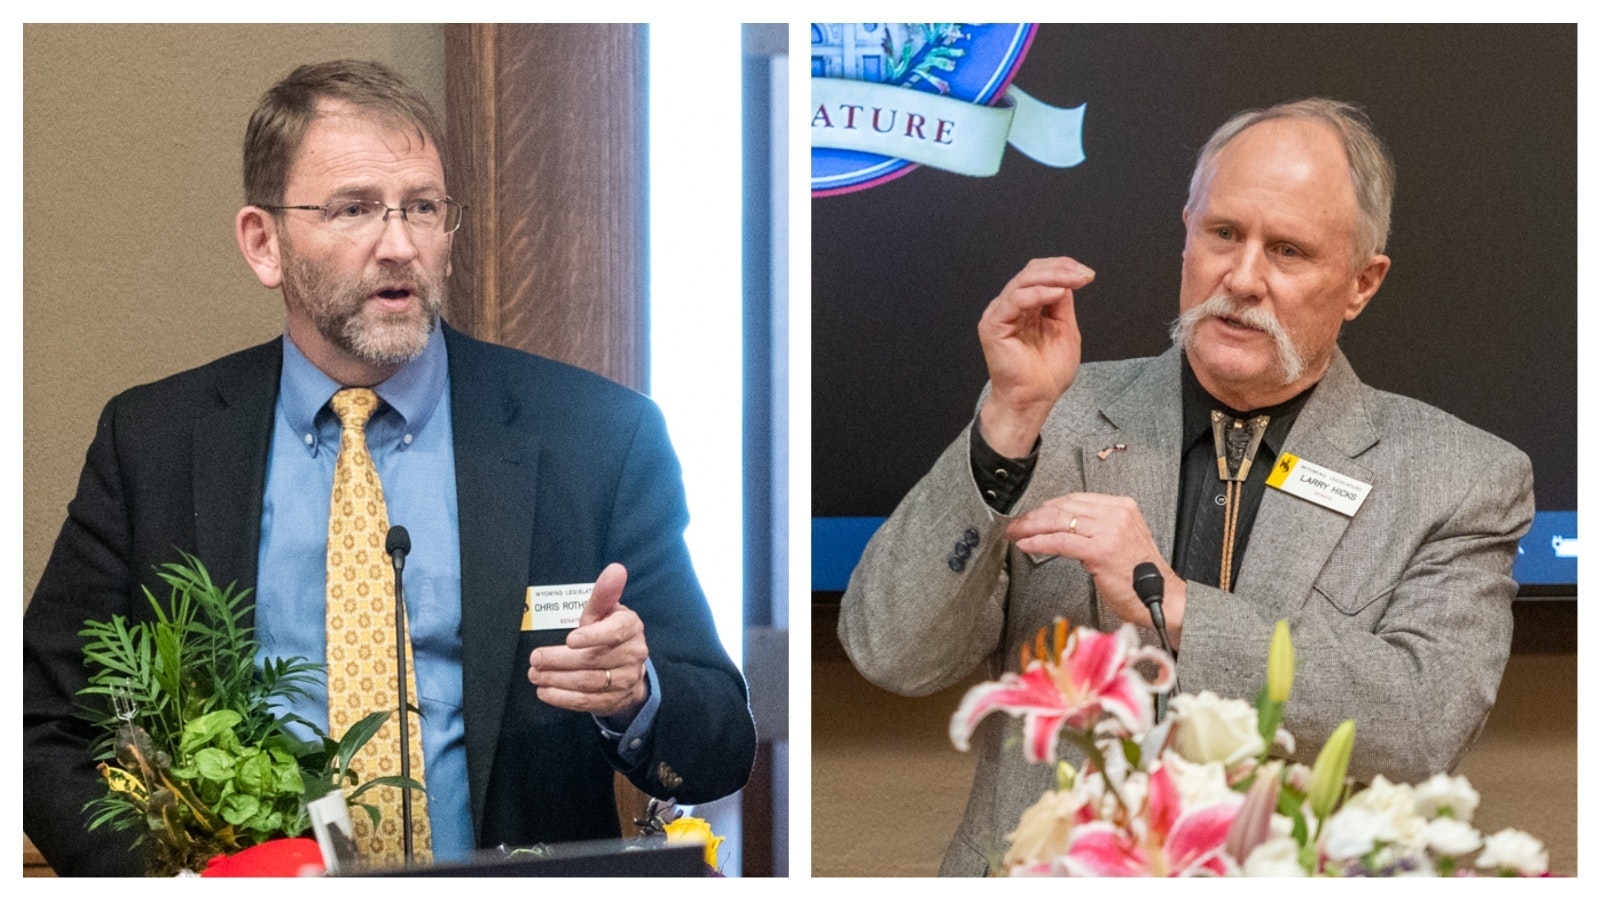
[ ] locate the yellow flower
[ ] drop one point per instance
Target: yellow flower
(690, 830)
(1327, 774)
(1280, 664)
(123, 781)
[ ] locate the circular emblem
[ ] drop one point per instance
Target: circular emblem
(972, 63)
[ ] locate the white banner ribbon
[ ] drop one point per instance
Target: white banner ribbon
(937, 131)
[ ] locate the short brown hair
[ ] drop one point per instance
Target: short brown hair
(288, 108)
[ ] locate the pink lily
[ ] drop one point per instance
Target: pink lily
(1167, 841)
(1089, 675)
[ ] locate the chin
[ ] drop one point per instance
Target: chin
(1238, 370)
(393, 340)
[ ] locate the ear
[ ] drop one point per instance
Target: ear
(1368, 280)
(257, 232)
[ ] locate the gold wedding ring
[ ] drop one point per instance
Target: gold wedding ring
(1072, 527)
(608, 681)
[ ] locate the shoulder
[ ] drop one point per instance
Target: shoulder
(1114, 376)
(1100, 385)
(519, 384)
(1409, 425)
(238, 377)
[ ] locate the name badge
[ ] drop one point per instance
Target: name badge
(554, 606)
(1321, 486)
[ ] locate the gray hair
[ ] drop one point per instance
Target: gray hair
(1371, 167)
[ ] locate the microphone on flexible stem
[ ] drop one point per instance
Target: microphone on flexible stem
(1149, 585)
(397, 545)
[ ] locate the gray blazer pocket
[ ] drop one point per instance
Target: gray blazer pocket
(1354, 599)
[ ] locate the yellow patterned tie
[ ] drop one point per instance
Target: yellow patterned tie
(360, 618)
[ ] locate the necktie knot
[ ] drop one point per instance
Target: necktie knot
(354, 406)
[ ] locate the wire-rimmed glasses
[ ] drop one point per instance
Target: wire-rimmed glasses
(355, 215)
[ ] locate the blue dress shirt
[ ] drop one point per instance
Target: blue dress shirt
(410, 440)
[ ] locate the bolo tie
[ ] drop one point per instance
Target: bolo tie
(1237, 441)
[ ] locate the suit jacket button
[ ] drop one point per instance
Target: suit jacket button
(957, 564)
(970, 537)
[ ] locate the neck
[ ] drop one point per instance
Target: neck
(1245, 397)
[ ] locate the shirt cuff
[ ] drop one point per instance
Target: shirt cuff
(1000, 479)
(631, 739)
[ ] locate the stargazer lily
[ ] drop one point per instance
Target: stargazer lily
(1084, 676)
(1167, 840)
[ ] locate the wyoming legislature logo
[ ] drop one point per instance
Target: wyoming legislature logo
(887, 97)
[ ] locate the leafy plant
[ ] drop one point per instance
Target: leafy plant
(194, 756)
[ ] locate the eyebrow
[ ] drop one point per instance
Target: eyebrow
(424, 190)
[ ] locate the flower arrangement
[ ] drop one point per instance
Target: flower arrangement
(1201, 793)
(663, 820)
(195, 759)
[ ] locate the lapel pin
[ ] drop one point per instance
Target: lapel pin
(1114, 448)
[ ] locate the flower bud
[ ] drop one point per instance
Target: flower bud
(1327, 774)
(1280, 664)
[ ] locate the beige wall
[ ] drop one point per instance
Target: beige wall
(131, 178)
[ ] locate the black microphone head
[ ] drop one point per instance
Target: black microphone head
(1148, 583)
(398, 541)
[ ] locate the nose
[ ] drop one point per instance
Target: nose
(395, 244)
(1246, 277)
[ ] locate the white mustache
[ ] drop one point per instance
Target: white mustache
(1226, 306)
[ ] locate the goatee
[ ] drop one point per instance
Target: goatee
(342, 316)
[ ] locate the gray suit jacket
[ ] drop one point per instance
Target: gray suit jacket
(1401, 615)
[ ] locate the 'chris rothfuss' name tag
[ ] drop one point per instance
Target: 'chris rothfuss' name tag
(1321, 486)
(554, 606)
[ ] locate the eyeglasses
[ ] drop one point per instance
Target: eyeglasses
(357, 216)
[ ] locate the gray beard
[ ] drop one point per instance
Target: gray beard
(339, 312)
(1291, 362)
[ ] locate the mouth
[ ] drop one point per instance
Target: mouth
(395, 298)
(1236, 323)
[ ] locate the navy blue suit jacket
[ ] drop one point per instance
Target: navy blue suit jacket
(558, 473)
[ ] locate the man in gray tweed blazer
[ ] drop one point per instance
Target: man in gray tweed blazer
(1394, 573)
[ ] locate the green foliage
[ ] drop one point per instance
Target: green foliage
(194, 756)
(913, 61)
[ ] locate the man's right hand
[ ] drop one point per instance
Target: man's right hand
(1032, 346)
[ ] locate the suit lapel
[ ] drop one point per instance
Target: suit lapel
(1148, 419)
(231, 443)
(1293, 538)
(496, 467)
(1145, 420)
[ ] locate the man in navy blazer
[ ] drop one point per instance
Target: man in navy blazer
(558, 475)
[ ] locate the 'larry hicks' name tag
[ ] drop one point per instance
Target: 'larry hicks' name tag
(555, 606)
(1321, 486)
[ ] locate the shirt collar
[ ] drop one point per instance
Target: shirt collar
(1198, 404)
(413, 393)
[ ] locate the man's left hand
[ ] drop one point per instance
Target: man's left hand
(1108, 536)
(600, 669)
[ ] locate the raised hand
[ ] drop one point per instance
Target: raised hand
(1032, 347)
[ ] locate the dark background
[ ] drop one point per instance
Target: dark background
(1478, 315)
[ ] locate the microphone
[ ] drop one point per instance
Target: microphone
(1149, 585)
(397, 544)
